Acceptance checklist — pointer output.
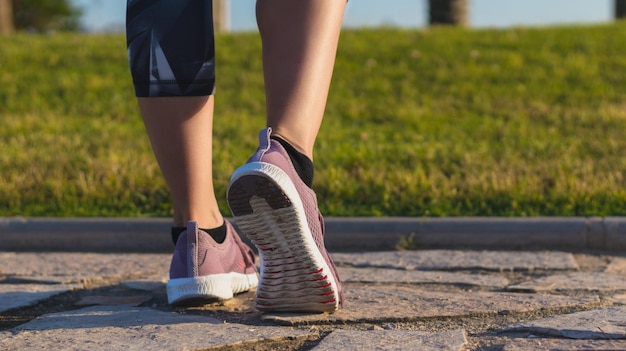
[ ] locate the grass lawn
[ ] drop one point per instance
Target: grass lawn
(429, 122)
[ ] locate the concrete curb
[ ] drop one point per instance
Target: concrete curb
(343, 233)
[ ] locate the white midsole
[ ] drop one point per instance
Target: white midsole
(216, 286)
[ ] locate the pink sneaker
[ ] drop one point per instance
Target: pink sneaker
(203, 270)
(279, 213)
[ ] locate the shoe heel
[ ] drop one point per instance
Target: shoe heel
(294, 275)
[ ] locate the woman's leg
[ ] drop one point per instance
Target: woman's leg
(171, 54)
(180, 131)
(299, 47)
(271, 195)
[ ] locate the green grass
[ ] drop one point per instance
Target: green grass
(432, 122)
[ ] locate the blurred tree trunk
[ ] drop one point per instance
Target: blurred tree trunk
(453, 12)
(620, 9)
(6, 17)
(221, 16)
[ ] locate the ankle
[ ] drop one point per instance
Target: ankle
(205, 218)
(218, 233)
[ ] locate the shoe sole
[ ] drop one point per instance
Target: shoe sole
(210, 288)
(294, 274)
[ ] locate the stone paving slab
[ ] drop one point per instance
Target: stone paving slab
(382, 289)
(389, 340)
(587, 281)
(399, 303)
(133, 328)
(617, 299)
(22, 295)
(460, 260)
(538, 344)
(155, 283)
(65, 267)
(49, 280)
(599, 323)
(400, 276)
(617, 265)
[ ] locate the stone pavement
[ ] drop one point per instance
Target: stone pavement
(396, 300)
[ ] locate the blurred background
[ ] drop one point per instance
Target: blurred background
(238, 15)
(518, 108)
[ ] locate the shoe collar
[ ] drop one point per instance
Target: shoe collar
(264, 144)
